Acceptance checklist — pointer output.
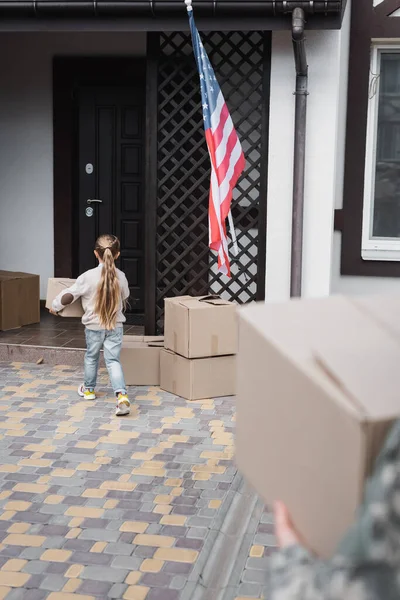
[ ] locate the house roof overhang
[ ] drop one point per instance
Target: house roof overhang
(153, 15)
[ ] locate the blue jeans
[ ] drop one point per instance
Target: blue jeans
(112, 343)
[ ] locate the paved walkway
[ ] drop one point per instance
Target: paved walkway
(92, 506)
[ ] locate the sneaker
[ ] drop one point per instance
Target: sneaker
(123, 405)
(85, 393)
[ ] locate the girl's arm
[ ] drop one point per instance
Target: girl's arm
(69, 295)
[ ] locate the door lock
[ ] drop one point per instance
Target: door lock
(92, 200)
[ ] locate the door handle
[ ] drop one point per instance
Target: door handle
(91, 200)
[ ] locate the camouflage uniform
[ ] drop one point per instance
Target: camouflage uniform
(367, 564)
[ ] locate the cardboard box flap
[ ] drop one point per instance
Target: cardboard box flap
(132, 339)
(65, 283)
(204, 302)
(170, 352)
(133, 344)
(384, 309)
(144, 340)
(364, 356)
(371, 385)
(179, 299)
(11, 275)
(214, 301)
(343, 342)
(338, 384)
(193, 302)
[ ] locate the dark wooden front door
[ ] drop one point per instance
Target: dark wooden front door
(110, 179)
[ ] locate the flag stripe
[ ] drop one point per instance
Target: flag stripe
(226, 154)
(225, 185)
(218, 112)
(222, 143)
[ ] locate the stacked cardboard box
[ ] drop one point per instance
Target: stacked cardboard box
(140, 359)
(318, 391)
(19, 299)
(198, 360)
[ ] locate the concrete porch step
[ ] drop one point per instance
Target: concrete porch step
(49, 355)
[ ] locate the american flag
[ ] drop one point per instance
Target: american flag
(225, 150)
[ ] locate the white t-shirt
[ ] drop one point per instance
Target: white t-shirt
(85, 288)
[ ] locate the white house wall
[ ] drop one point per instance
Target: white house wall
(327, 54)
(26, 139)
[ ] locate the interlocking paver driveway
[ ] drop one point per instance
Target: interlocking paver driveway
(92, 506)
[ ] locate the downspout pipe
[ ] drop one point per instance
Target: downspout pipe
(300, 122)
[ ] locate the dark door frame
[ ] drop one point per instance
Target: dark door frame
(367, 23)
(68, 73)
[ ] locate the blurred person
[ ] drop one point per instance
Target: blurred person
(367, 563)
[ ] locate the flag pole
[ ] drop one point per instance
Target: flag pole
(233, 234)
(189, 8)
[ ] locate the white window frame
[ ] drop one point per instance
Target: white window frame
(373, 248)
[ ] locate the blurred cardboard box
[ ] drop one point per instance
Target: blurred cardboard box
(140, 359)
(200, 327)
(19, 299)
(198, 378)
(55, 286)
(318, 390)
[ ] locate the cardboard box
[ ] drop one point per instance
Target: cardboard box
(318, 390)
(54, 287)
(197, 378)
(140, 359)
(200, 327)
(159, 339)
(19, 299)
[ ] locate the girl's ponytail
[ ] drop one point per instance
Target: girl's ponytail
(109, 291)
